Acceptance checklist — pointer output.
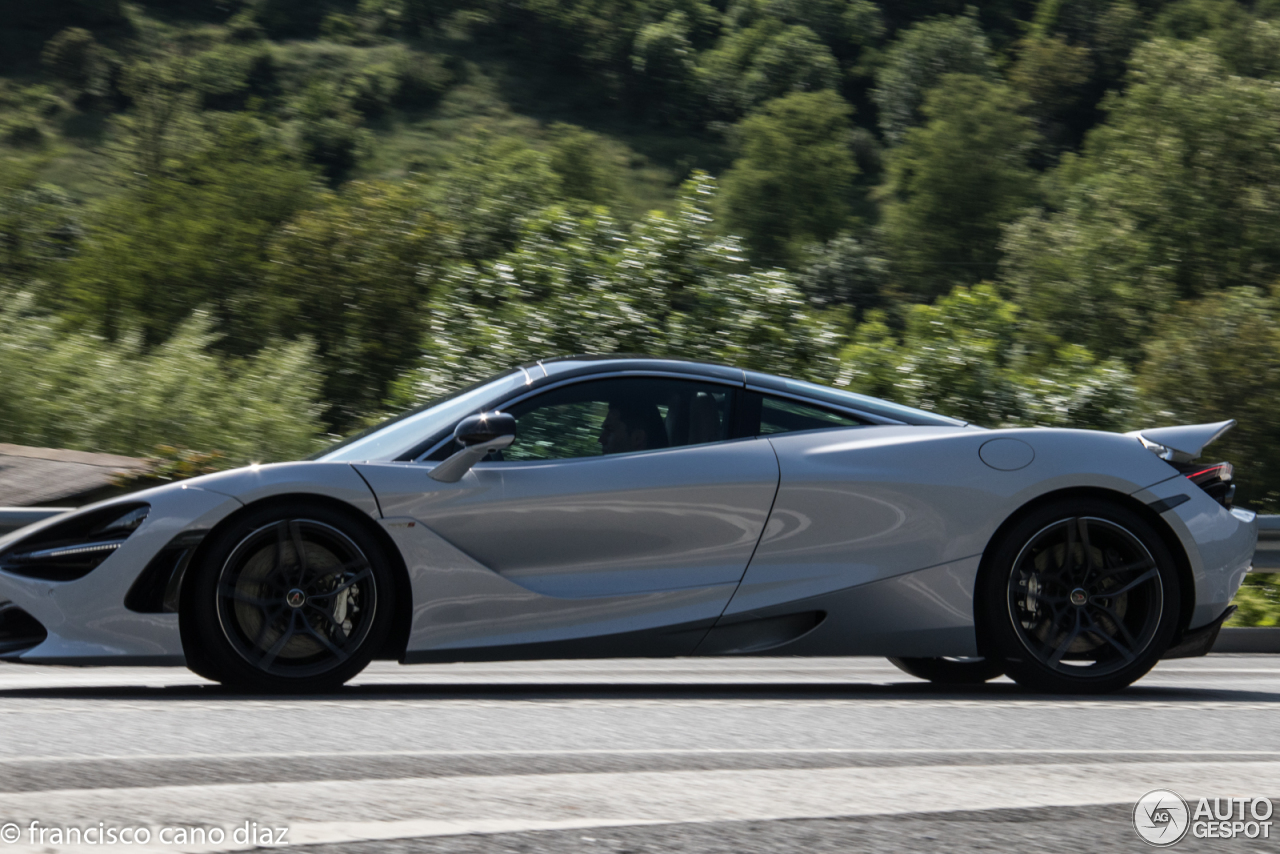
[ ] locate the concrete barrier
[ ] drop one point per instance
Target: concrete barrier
(1248, 640)
(1267, 556)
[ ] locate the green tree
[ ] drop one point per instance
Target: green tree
(1219, 358)
(1109, 29)
(489, 183)
(1247, 45)
(767, 60)
(664, 58)
(1176, 196)
(582, 284)
(162, 125)
(1054, 76)
(918, 59)
(227, 76)
(845, 271)
(66, 389)
(794, 60)
(78, 61)
(41, 225)
(195, 237)
(794, 174)
(961, 357)
(847, 27)
(954, 182)
(584, 164)
(329, 130)
(352, 274)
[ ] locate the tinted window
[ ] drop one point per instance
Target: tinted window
(590, 419)
(779, 415)
(859, 402)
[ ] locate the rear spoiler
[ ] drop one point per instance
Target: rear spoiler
(1182, 444)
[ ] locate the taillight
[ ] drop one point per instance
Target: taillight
(1215, 480)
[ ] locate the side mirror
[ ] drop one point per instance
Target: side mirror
(485, 428)
(478, 435)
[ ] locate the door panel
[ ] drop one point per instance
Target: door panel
(465, 612)
(863, 504)
(634, 523)
(562, 549)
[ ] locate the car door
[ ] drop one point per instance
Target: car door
(623, 507)
(848, 512)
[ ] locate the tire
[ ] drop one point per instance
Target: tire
(1081, 596)
(951, 671)
(256, 618)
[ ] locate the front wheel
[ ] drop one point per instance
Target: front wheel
(291, 598)
(1081, 596)
(951, 671)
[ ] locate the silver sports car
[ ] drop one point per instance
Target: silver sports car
(619, 506)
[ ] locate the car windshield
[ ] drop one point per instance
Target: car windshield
(399, 435)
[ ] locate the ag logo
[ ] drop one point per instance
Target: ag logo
(1161, 817)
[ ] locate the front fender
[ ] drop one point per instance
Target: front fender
(332, 480)
(86, 619)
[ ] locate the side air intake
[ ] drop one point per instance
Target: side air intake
(19, 631)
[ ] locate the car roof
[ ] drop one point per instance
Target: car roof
(564, 367)
(545, 371)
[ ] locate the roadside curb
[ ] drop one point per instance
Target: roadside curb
(1256, 640)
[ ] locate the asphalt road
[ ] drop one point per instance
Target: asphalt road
(740, 755)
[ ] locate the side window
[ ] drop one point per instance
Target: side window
(617, 416)
(779, 415)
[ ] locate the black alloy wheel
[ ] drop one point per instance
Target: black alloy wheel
(1081, 597)
(952, 670)
(291, 598)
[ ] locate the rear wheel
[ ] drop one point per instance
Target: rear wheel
(290, 598)
(951, 671)
(1081, 596)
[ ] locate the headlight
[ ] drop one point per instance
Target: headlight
(74, 548)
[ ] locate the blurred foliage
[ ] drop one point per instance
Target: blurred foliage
(490, 185)
(844, 271)
(791, 184)
(1176, 196)
(666, 286)
(75, 390)
(40, 225)
(961, 357)
(1258, 601)
(954, 182)
(78, 62)
(169, 463)
(767, 61)
(1054, 77)
(352, 274)
(196, 235)
(918, 61)
(1220, 357)
(232, 227)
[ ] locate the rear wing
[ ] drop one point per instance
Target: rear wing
(1182, 444)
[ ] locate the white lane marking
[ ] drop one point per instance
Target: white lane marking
(385, 809)
(90, 710)
(639, 751)
(763, 670)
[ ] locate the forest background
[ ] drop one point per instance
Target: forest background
(234, 230)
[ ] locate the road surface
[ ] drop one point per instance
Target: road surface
(717, 755)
